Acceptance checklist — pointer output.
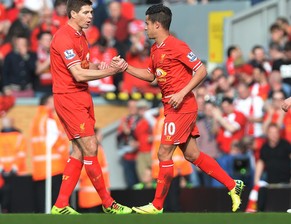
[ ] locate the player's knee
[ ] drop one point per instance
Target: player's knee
(165, 153)
(191, 157)
(90, 152)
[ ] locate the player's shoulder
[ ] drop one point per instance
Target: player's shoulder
(61, 36)
(176, 41)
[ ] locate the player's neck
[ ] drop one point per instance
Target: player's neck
(74, 26)
(159, 40)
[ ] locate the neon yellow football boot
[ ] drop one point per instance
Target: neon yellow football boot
(235, 194)
(64, 211)
(147, 209)
(117, 208)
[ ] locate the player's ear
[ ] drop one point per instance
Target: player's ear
(157, 24)
(73, 14)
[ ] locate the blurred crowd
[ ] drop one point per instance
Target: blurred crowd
(240, 114)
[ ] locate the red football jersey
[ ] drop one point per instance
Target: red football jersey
(68, 48)
(173, 63)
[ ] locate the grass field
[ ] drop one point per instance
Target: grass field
(167, 218)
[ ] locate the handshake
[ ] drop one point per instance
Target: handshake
(117, 63)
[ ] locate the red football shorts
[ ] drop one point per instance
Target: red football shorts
(76, 113)
(178, 127)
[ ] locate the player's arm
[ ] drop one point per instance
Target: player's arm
(197, 78)
(140, 73)
(177, 98)
(84, 75)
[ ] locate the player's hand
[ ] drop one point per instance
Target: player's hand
(103, 65)
(119, 64)
(175, 100)
(286, 104)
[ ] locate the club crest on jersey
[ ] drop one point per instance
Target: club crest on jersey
(69, 54)
(192, 57)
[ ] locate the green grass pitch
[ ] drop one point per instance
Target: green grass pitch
(166, 218)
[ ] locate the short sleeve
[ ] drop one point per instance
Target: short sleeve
(187, 56)
(67, 51)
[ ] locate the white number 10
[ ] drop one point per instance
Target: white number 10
(169, 128)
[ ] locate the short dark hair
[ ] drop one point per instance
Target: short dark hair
(160, 13)
(230, 49)
(41, 33)
(227, 99)
(76, 5)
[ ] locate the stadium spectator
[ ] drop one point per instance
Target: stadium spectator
(252, 108)
(274, 161)
(234, 59)
(138, 56)
(13, 154)
(48, 140)
(60, 13)
(277, 36)
(273, 112)
(126, 147)
(101, 51)
(260, 86)
(21, 26)
(19, 69)
(284, 65)
(231, 123)
(45, 25)
(143, 138)
(259, 58)
(207, 140)
(100, 13)
(108, 31)
(43, 80)
(276, 84)
(285, 25)
(121, 24)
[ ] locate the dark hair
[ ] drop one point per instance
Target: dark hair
(160, 13)
(227, 99)
(230, 49)
(40, 34)
(59, 2)
(275, 27)
(76, 5)
(256, 47)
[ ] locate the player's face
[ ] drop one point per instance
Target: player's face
(84, 17)
(149, 28)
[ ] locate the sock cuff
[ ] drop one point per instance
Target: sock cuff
(166, 164)
(75, 162)
(199, 159)
(89, 160)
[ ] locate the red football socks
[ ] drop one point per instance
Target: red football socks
(70, 179)
(165, 177)
(94, 172)
(208, 165)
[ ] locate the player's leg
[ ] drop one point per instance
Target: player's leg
(71, 176)
(89, 147)
(208, 165)
(165, 176)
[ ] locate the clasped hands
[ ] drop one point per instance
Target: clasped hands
(118, 63)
